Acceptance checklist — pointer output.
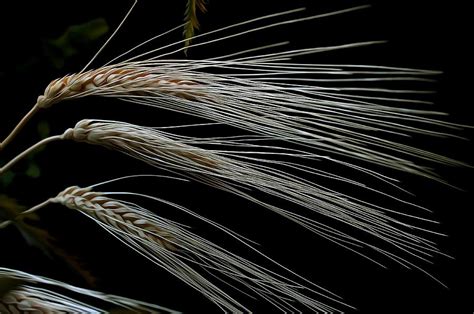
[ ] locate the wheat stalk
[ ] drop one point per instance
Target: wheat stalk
(188, 256)
(37, 294)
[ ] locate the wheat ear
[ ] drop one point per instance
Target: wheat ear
(315, 117)
(238, 170)
(37, 294)
(190, 257)
(266, 94)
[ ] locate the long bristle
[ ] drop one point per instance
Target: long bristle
(188, 256)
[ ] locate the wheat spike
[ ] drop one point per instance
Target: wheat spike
(37, 294)
(190, 257)
(113, 213)
(128, 81)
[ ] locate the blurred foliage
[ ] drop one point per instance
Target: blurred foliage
(39, 237)
(7, 178)
(43, 129)
(73, 39)
(32, 169)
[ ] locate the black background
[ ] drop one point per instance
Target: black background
(420, 33)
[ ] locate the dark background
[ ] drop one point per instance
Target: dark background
(421, 34)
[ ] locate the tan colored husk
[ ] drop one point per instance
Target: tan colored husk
(114, 213)
(18, 301)
(116, 79)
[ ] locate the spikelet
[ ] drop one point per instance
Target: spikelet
(123, 81)
(36, 294)
(189, 257)
(113, 213)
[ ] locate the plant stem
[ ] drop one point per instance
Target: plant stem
(26, 212)
(19, 126)
(29, 150)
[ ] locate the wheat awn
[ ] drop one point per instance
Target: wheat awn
(188, 256)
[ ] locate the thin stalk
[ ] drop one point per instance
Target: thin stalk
(26, 212)
(19, 126)
(29, 150)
